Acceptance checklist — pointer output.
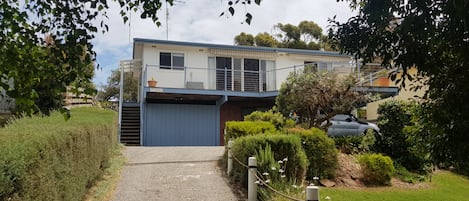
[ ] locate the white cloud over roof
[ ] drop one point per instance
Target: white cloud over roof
(199, 21)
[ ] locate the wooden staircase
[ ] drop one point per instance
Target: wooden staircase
(130, 126)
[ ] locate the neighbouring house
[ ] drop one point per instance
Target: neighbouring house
(406, 93)
(201, 86)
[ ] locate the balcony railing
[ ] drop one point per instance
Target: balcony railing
(212, 79)
(227, 79)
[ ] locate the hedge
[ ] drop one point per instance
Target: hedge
(48, 158)
(320, 151)
(235, 129)
(276, 118)
(282, 146)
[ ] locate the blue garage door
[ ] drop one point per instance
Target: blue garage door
(181, 125)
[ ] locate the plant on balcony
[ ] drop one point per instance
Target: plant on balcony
(152, 82)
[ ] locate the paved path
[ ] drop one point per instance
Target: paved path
(173, 173)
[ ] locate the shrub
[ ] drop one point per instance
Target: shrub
(282, 146)
(277, 119)
(235, 129)
(52, 159)
(399, 125)
(356, 144)
(348, 144)
(376, 168)
(320, 151)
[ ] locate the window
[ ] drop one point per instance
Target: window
(174, 61)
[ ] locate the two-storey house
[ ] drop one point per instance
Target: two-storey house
(201, 86)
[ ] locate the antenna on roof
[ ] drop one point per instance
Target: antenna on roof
(167, 16)
(130, 21)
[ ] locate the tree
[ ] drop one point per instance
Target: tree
(307, 35)
(244, 39)
(42, 68)
(432, 36)
(112, 88)
(310, 31)
(316, 96)
(265, 40)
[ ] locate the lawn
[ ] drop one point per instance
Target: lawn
(445, 186)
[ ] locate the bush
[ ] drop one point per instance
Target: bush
(399, 125)
(282, 146)
(277, 119)
(320, 151)
(376, 168)
(356, 144)
(235, 129)
(348, 144)
(52, 159)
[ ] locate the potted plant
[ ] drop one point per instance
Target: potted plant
(382, 78)
(152, 82)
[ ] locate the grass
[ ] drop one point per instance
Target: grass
(445, 186)
(103, 188)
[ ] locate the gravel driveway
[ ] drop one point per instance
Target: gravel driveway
(173, 173)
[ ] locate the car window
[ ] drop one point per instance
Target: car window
(340, 117)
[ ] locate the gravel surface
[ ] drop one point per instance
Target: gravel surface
(173, 173)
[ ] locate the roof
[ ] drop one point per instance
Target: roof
(240, 47)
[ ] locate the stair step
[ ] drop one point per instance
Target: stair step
(130, 126)
(137, 131)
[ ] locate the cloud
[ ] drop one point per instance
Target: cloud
(199, 21)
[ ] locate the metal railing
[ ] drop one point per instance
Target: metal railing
(212, 79)
(227, 79)
(369, 79)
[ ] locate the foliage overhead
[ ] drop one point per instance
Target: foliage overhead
(43, 66)
(431, 35)
(316, 96)
(235, 3)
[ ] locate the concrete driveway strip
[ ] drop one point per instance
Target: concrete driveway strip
(173, 173)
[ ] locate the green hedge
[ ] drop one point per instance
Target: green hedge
(53, 159)
(282, 146)
(235, 129)
(376, 168)
(277, 119)
(320, 150)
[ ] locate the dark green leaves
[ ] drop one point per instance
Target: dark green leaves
(231, 9)
(248, 18)
(431, 36)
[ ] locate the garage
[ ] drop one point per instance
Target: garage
(181, 125)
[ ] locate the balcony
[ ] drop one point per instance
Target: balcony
(263, 79)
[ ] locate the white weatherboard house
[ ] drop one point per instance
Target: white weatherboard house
(201, 86)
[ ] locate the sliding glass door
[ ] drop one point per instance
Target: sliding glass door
(224, 73)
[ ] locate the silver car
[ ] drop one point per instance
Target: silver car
(349, 125)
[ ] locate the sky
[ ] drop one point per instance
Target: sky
(199, 21)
